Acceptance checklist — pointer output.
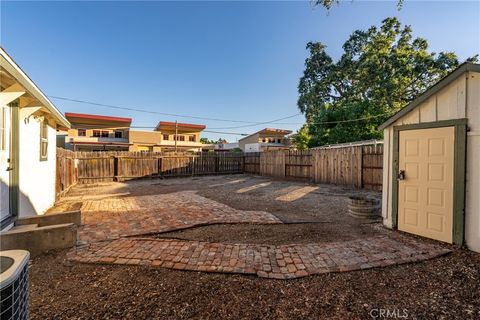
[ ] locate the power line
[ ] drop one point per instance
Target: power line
(309, 123)
(160, 113)
(209, 131)
(260, 123)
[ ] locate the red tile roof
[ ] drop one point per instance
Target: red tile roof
(70, 115)
(180, 125)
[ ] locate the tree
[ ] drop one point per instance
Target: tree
(328, 4)
(302, 138)
(380, 72)
(208, 141)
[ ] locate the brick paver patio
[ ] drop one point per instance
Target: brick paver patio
(267, 261)
(112, 218)
(113, 225)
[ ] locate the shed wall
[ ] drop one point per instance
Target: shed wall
(460, 99)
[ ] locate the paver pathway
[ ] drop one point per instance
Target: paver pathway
(112, 218)
(267, 261)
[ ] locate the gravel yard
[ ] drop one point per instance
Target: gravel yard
(446, 287)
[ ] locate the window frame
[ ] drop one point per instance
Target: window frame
(82, 132)
(3, 124)
(44, 140)
(120, 133)
(104, 134)
(96, 133)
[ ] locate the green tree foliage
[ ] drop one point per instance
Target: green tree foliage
(208, 141)
(328, 4)
(302, 138)
(380, 71)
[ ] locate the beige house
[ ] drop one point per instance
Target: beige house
(265, 139)
(91, 132)
(431, 177)
(180, 136)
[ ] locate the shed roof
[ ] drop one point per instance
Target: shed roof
(442, 83)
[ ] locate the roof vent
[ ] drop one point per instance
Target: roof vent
(14, 284)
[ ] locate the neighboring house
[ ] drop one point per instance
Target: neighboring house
(180, 136)
(225, 146)
(431, 177)
(104, 133)
(91, 132)
(266, 139)
(28, 125)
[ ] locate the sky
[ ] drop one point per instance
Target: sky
(220, 60)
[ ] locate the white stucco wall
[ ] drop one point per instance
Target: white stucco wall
(460, 99)
(252, 147)
(36, 178)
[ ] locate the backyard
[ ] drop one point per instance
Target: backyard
(243, 246)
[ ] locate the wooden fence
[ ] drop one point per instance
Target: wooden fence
(66, 175)
(357, 166)
(93, 167)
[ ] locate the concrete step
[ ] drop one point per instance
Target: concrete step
(24, 227)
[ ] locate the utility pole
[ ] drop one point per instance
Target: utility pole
(176, 135)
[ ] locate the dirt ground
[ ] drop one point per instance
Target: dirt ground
(443, 288)
(269, 234)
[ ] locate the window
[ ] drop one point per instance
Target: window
(82, 132)
(43, 140)
(191, 138)
(2, 127)
(279, 140)
(166, 137)
(104, 134)
(96, 133)
(118, 134)
(180, 138)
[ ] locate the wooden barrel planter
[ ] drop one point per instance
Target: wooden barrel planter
(363, 207)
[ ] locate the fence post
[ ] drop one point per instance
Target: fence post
(159, 166)
(115, 168)
(193, 165)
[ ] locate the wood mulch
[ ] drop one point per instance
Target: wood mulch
(444, 288)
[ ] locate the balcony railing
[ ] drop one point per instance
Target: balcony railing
(95, 139)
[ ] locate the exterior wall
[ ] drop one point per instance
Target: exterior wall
(248, 140)
(460, 99)
(89, 132)
(252, 147)
(36, 178)
(171, 134)
(144, 140)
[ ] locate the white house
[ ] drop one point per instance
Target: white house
(28, 125)
(265, 139)
(431, 177)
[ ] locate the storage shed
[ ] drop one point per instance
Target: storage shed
(431, 178)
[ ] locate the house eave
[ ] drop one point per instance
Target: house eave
(22, 78)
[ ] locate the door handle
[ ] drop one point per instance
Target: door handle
(401, 175)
